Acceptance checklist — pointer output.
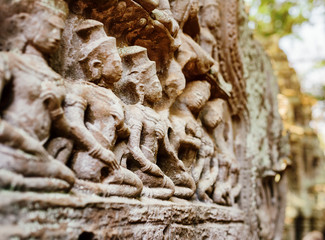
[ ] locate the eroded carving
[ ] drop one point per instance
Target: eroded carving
(97, 116)
(31, 99)
(141, 84)
(144, 98)
(186, 131)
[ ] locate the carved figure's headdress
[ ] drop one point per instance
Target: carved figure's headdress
(57, 7)
(25, 16)
(88, 28)
(197, 85)
(134, 55)
(207, 3)
(137, 57)
(93, 36)
(139, 74)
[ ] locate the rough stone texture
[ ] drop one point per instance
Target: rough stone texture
(269, 158)
(147, 119)
(62, 216)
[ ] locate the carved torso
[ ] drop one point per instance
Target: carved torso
(30, 86)
(185, 138)
(103, 110)
(148, 121)
(170, 105)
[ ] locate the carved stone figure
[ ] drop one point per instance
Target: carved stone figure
(152, 112)
(31, 103)
(184, 12)
(205, 169)
(198, 51)
(186, 136)
(173, 83)
(192, 58)
(164, 15)
(216, 117)
(222, 165)
(131, 89)
(139, 88)
(171, 165)
(209, 23)
(97, 117)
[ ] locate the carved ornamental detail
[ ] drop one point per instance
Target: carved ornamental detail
(127, 98)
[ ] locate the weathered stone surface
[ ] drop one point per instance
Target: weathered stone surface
(63, 216)
(149, 119)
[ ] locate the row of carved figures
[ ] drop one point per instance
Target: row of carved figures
(100, 134)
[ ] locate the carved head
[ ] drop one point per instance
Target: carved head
(152, 86)
(195, 95)
(48, 37)
(46, 25)
(36, 22)
(211, 114)
(98, 55)
(140, 81)
(210, 14)
(174, 81)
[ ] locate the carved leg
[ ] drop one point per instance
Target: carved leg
(184, 183)
(234, 193)
(184, 186)
(198, 169)
(107, 188)
(221, 193)
(201, 192)
(208, 180)
(60, 149)
(156, 187)
(202, 189)
(129, 184)
(121, 152)
(14, 181)
(30, 166)
(94, 177)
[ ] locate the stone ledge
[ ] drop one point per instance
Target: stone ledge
(69, 216)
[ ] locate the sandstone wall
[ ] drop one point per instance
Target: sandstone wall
(137, 119)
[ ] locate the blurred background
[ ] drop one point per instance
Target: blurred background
(293, 34)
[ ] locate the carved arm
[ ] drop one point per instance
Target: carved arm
(171, 152)
(11, 135)
(75, 113)
(134, 148)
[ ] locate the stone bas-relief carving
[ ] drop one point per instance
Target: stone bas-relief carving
(187, 132)
(31, 99)
(142, 85)
(139, 111)
(97, 116)
(222, 165)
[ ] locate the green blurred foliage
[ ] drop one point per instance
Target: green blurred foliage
(320, 64)
(277, 17)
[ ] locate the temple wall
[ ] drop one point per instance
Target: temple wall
(137, 119)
